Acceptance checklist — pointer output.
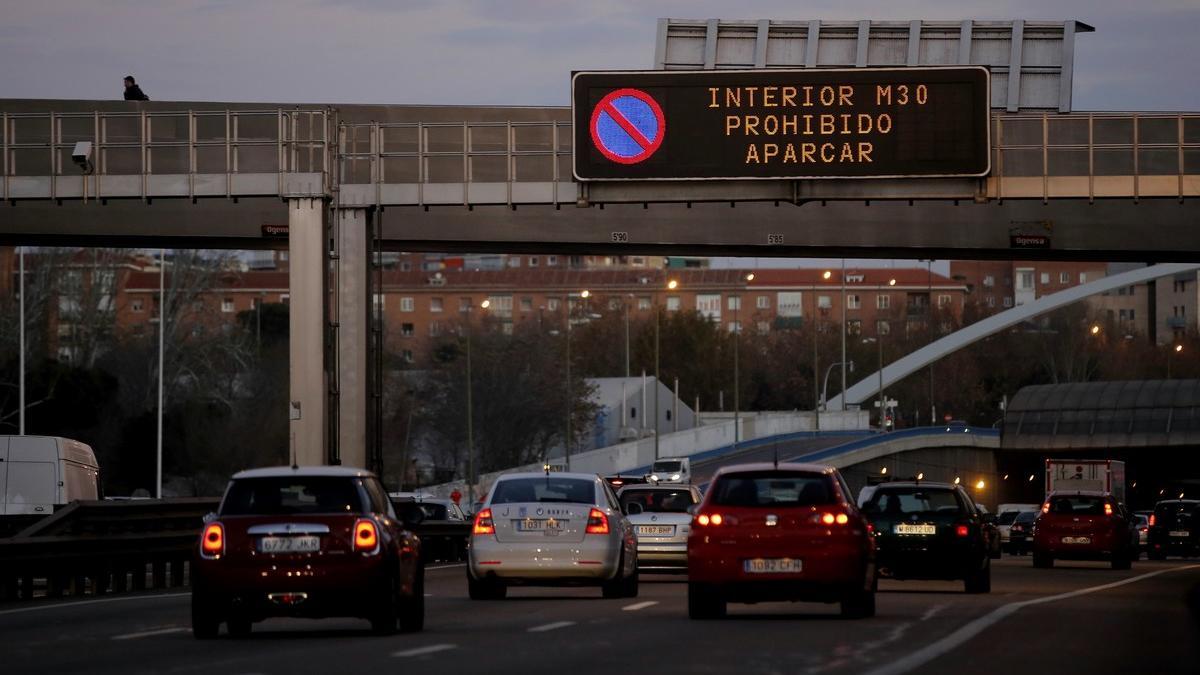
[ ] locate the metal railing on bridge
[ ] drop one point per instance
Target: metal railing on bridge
(230, 153)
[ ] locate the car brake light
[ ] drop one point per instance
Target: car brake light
(1046, 507)
(1108, 509)
(705, 519)
(962, 530)
(597, 522)
(1151, 520)
(484, 523)
(212, 544)
(366, 537)
(831, 518)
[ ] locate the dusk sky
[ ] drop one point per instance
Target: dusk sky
(1142, 56)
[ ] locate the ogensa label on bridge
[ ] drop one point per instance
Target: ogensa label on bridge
(781, 124)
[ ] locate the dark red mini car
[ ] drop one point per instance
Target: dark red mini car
(1083, 526)
(308, 542)
(787, 532)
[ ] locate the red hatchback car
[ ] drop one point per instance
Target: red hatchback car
(309, 542)
(1083, 526)
(787, 532)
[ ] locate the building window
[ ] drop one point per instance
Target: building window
(944, 300)
(1064, 278)
(1121, 290)
(853, 302)
(137, 305)
(435, 304)
(407, 355)
(435, 329)
(883, 302)
(709, 304)
(643, 302)
(1124, 314)
(883, 327)
(735, 302)
(854, 327)
(673, 303)
(614, 304)
(1180, 287)
(1045, 278)
(991, 301)
(526, 304)
(227, 305)
(989, 281)
(789, 304)
(406, 329)
(764, 327)
(552, 260)
(378, 300)
(500, 305)
(1007, 301)
(285, 299)
(533, 261)
(763, 302)
(407, 304)
(514, 261)
(464, 304)
(1025, 280)
(553, 304)
(1083, 277)
(405, 266)
(824, 302)
(734, 326)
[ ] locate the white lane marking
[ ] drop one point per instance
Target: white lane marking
(422, 651)
(445, 567)
(72, 605)
(933, 611)
(640, 605)
(959, 637)
(149, 633)
(551, 626)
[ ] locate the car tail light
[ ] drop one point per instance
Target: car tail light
(484, 523)
(597, 522)
(212, 544)
(366, 536)
(830, 518)
(1151, 520)
(705, 519)
(962, 530)
(1046, 507)
(1108, 509)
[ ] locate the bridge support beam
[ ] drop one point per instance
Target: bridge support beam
(306, 336)
(353, 298)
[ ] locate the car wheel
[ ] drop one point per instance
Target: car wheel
(1042, 560)
(383, 620)
(704, 602)
(239, 625)
(412, 609)
(1155, 555)
(615, 587)
(630, 586)
(979, 580)
(485, 589)
(205, 621)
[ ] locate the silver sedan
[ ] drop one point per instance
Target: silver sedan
(554, 529)
(661, 519)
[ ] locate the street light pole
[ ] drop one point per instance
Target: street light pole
(882, 400)
(162, 328)
(470, 419)
(844, 329)
(21, 343)
(737, 402)
(626, 305)
(671, 285)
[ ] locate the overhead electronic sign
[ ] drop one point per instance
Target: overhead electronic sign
(781, 124)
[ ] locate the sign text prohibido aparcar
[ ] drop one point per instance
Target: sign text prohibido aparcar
(781, 124)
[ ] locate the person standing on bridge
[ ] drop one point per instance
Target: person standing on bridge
(132, 91)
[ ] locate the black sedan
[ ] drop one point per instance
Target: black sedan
(1020, 535)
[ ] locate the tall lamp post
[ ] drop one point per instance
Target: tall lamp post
(570, 408)
(470, 409)
(21, 342)
(671, 286)
(844, 329)
(1174, 350)
(737, 344)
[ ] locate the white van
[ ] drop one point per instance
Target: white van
(671, 470)
(38, 473)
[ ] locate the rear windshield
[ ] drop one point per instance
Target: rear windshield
(903, 501)
(545, 490)
(283, 496)
(658, 501)
(1171, 513)
(667, 467)
(772, 489)
(1007, 518)
(1026, 517)
(1077, 505)
(434, 511)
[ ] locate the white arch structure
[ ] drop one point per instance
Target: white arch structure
(902, 368)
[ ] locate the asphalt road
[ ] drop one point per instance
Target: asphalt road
(1109, 622)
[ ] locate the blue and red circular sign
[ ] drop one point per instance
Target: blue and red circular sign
(628, 126)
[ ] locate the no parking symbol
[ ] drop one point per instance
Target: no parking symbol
(628, 126)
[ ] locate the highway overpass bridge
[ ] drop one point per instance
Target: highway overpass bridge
(336, 183)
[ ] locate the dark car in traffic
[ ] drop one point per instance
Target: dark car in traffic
(1020, 534)
(930, 531)
(308, 542)
(1174, 529)
(779, 533)
(1083, 525)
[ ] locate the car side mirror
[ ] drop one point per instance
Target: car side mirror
(411, 515)
(633, 509)
(209, 517)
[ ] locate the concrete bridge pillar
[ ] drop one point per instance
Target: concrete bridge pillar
(306, 324)
(353, 299)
